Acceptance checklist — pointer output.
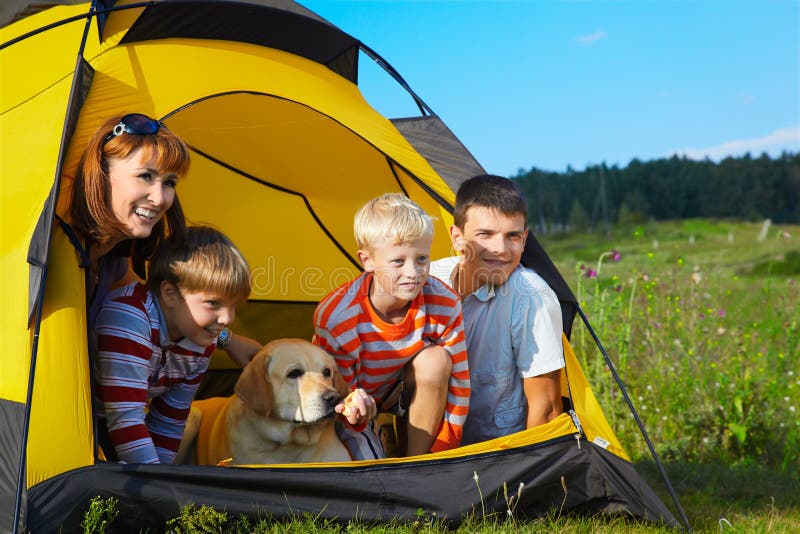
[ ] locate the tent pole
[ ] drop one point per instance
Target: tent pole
(88, 16)
(638, 420)
(23, 454)
(22, 472)
(423, 107)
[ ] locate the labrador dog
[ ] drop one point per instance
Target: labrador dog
(282, 411)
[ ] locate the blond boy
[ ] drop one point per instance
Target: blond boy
(397, 335)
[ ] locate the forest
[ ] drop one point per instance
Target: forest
(599, 197)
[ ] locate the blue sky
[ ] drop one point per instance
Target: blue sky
(548, 84)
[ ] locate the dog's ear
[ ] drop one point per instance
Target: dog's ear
(254, 387)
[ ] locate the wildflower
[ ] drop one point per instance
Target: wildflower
(676, 342)
(645, 277)
(786, 399)
(615, 255)
(696, 277)
(702, 315)
(649, 387)
(590, 273)
(618, 288)
(721, 312)
(786, 235)
(720, 330)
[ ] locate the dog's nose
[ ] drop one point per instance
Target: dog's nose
(331, 397)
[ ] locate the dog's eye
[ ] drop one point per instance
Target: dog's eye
(327, 372)
(294, 373)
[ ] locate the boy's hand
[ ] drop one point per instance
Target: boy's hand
(358, 407)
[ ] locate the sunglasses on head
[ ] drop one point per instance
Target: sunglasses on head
(137, 124)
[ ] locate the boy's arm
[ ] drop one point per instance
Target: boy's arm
(458, 388)
(168, 412)
(359, 406)
(124, 351)
(536, 335)
(241, 349)
(543, 393)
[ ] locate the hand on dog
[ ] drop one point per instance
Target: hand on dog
(358, 407)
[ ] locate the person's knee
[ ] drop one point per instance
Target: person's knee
(432, 366)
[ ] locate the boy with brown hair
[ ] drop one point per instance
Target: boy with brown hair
(155, 340)
(397, 335)
(512, 318)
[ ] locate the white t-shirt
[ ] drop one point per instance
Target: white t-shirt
(513, 332)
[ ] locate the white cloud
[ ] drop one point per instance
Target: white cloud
(781, 139)
(591, 38)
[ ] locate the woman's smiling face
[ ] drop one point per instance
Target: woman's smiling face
(140, 193)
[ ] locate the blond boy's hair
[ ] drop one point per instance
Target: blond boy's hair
(205, 261)
(393, 217)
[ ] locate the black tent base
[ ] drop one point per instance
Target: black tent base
(563, 474)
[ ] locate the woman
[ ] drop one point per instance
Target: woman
(124, 204)
(124, 188)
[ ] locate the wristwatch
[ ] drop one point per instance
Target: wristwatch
(224, 338)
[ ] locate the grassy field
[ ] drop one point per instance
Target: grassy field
(701, 320)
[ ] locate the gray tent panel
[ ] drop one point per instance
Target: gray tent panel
(596, 481)
(12, 414)
(437, 144)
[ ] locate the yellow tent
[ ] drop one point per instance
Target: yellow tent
(284, 150)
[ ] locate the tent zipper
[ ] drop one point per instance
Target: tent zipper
(577, 422)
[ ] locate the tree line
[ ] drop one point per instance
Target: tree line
(600, 196)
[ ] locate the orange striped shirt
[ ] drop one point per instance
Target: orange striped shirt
(371, 353)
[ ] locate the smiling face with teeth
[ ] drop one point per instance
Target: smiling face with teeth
(196, 315)
(140, 193)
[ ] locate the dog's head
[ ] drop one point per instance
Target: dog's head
(292, 380)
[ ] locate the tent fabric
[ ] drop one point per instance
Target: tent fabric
(274, 24)
(436, 142)
(284, 151)
(443, 489)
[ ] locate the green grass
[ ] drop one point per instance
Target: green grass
(705, 342)
(702, 321)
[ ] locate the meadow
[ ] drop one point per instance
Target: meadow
(701, 321)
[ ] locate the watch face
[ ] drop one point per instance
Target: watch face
(224, 338)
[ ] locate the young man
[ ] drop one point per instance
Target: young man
(154, 343)
(512, 318)
(397, 335)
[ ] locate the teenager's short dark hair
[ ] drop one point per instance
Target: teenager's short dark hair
(489, 191)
